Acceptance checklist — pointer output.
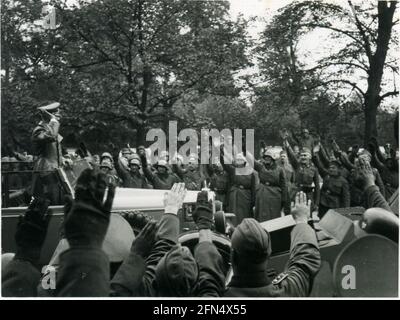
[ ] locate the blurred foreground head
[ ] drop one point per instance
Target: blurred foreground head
(176, 273)
(251, 247)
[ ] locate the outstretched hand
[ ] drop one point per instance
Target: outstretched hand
(364, 173)
(173, 199)
(87, 218)
(317, 148)
(32, 230)
(203, 214)
(300, 208)
(335, 146)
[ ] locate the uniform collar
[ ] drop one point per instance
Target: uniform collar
(271, 166)
(250, 280)
(136, 174)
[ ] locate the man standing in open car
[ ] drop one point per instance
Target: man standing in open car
(47, 145)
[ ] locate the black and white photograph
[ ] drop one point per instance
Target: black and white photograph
(180, 150)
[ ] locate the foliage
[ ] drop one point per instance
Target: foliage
(358, 39)
(120, 67)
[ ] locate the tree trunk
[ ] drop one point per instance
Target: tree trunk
(377, 63)
(141, 135)
(370, 113)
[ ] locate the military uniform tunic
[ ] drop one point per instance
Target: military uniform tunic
(306, 178)
(193, 179)
(271, 193)
(334, 194)
(335, 191)
(295, 281)
(219, 183)
(46, 143)
(241, 194)
(161, 181)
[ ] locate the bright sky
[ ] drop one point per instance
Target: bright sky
(256, 8)
(311, 45)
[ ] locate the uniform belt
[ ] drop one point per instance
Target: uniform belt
(270, 184)
(305, 186)
(240, 186)
(332, 193)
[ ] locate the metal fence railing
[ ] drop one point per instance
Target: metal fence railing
(16, 187)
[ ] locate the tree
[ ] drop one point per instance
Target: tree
(210, 111)
(26, 79)
(130, 61)
(285, 97)
(366, 32)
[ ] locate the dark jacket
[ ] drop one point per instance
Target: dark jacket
(194, 180)
(84, 272)
(373, 198)
(390, 176)
(242, 193)
(295, 281)
(131, 180)
(335, 190)
(46, 142)
(211, 282)
(272, 192)
(127, 282)
(19, 278)
(136, 275)
(356, 192)
(219, 183)
(159, 181)
(136, 279)
(304, 177)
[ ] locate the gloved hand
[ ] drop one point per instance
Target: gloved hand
(87, 221)
(144, 242)
(32, 230)
(203, 215)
